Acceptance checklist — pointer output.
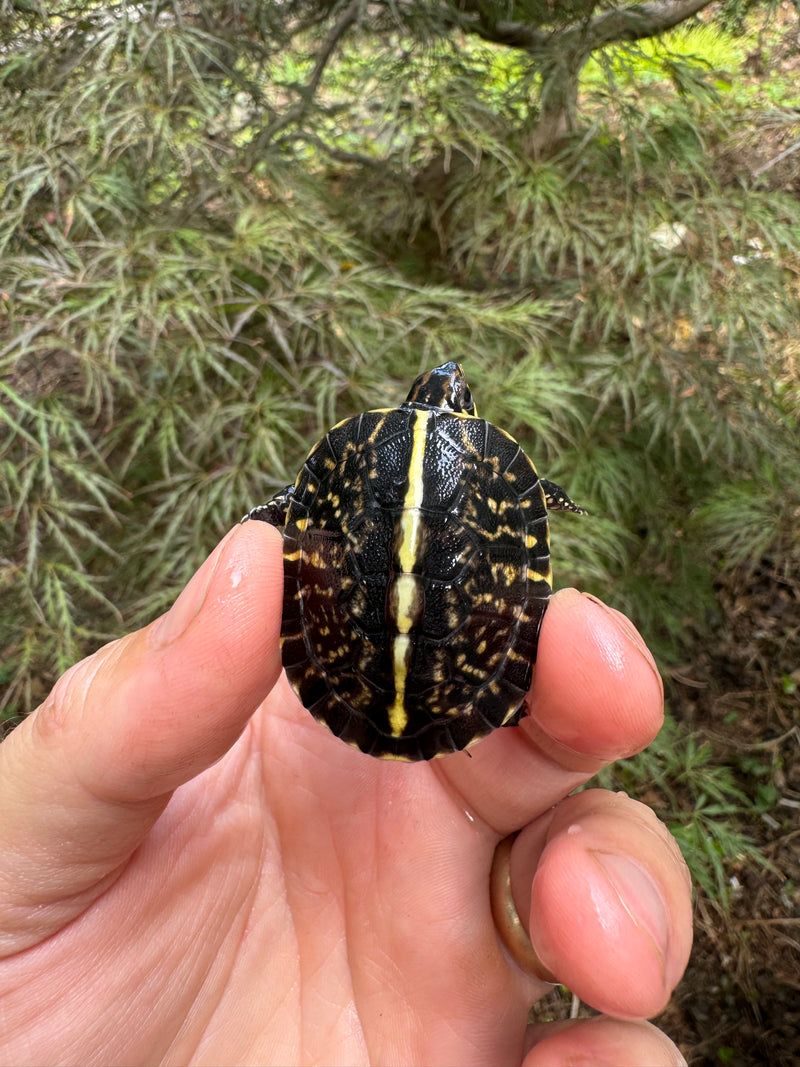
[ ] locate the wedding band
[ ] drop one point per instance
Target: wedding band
(506, 917)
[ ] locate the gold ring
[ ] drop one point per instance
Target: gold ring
(506, 917)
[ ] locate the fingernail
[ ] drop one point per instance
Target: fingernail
(629, 631)
(639, 894)
(188, 605)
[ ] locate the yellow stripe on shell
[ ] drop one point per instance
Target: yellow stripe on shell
(401, 652)
(404, 600)
(411, 520)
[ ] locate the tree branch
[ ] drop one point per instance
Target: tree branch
(623, 24)
(296, 111)
(642, 20)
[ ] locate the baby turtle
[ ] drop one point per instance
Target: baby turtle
(417, 573)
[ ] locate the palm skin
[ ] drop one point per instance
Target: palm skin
(186, 881)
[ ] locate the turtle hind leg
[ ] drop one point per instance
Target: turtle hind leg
(557, 500)
(275, 510)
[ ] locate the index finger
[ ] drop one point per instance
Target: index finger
(596, 697)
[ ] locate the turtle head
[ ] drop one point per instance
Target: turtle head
(443, 387)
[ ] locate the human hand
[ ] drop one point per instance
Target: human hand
(185, 880)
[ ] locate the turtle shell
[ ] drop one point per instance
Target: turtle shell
(417, 573)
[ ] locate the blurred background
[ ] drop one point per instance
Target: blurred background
(226, 225)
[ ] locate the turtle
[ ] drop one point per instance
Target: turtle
(417, 572)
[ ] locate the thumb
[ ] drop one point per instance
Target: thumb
(84, 778)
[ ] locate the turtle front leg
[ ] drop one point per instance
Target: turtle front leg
(275, 510)
(557, 500)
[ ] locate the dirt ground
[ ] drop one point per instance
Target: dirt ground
(739, 1003)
